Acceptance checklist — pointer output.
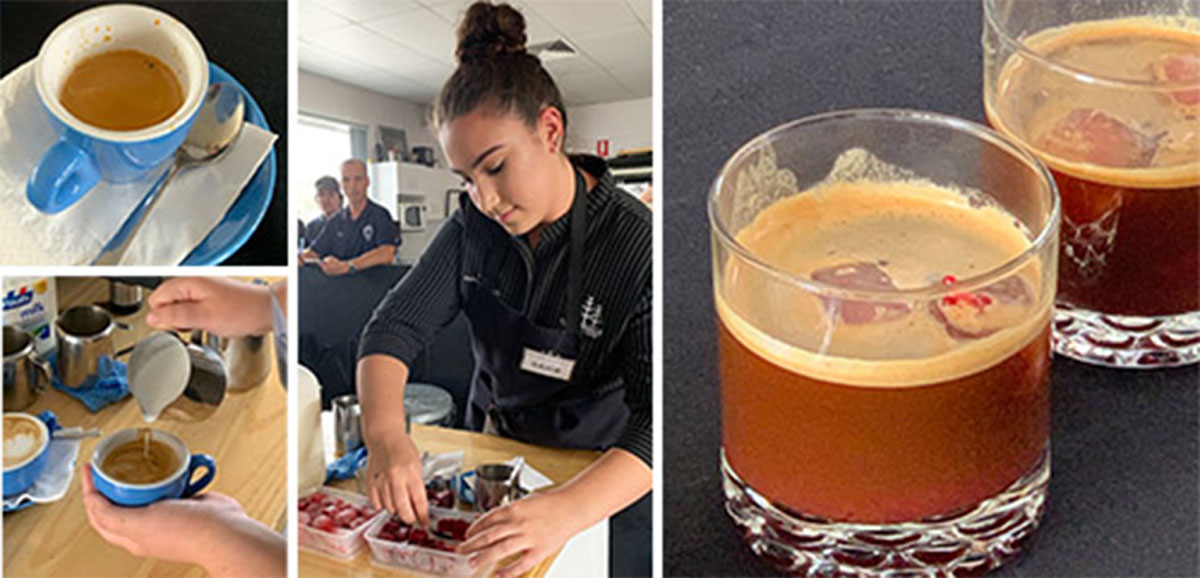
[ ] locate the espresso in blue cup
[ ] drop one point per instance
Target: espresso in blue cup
(121, 85)
(137, 467)
(26, 445)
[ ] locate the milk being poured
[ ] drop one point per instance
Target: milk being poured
(158, 373)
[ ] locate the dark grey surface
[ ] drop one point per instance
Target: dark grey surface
(1125, 491)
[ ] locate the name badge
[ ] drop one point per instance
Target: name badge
(547, 365)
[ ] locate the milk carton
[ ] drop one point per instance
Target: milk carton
(31, 304)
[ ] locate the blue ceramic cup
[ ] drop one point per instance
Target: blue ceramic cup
(177, 485)
(84, 154)
(26, 445)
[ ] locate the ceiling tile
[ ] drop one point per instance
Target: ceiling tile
(421, 30)
(360, 10)
(314, 18)
(575, 66)
(317, 59)
(580, 17)
(639, 80)
(450, 10)
(358, 43)
(406, 50)
(644, 9)
(616, 49)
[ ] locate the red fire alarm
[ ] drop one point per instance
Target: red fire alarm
(602, 147)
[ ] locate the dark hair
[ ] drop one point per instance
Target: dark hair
(328, 183)
(495, 70)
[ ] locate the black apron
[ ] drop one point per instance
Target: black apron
(522, 388)
(535, 408)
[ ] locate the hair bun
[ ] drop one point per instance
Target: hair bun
(490, 30)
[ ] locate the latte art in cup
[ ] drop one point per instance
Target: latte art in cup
(23, 439)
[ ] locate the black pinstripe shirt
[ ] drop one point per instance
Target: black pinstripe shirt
(617, 263)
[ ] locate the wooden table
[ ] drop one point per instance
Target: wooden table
(247, 436)
(557, 464)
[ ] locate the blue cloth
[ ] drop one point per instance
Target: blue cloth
(51, 424)
(345, 466)
(347, 238)
(107, 386)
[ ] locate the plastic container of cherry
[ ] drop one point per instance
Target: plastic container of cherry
(332, 522)
(393, 543)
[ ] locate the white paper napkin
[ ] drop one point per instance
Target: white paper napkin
(531, 478)
(196, 200)
(55, 480)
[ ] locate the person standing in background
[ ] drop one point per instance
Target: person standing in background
(360, 236)
(329, 198)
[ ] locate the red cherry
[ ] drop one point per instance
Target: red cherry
(864, 277)
(1091, 136)
(1180, 68)
(344, 517)
(324, 522)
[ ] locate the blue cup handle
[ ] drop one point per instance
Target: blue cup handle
(199, 461)
(62, 177)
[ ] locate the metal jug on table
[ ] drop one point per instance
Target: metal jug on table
(248, 360)
(26, 374)
(124, 298)
(85, 334)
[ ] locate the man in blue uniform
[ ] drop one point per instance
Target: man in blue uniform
(360, 236)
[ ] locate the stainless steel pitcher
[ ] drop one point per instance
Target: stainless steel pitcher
(26, 374)
(85, 334)
(248, 360)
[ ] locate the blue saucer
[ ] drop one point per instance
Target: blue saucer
(248, 210)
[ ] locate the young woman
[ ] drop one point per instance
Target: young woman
(551, 264)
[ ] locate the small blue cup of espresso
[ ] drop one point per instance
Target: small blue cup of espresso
(86, 154)
(26, 445)
(177, 484)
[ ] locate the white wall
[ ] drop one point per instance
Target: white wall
(626, 124)
(337, 100)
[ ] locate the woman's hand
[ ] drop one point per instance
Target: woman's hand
(211, 530)
(394, 474)
(534, 527)
(159, 530)
(227, 307)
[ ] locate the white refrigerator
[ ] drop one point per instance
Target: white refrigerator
(417, 196)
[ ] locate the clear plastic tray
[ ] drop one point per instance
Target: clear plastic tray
(412, 557)
(342, 545)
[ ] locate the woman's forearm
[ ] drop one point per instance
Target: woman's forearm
(611, 483)
(245, 547)
(381, 380)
